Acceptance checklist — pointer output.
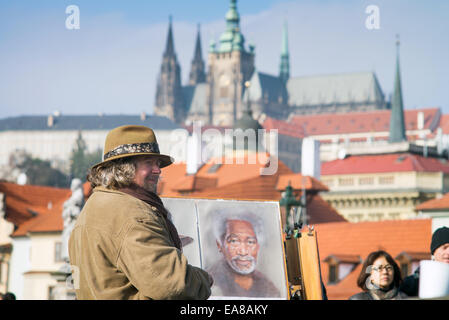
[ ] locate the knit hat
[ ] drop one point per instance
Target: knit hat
(439, 237)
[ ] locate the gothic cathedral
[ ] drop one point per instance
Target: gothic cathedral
(219, 96)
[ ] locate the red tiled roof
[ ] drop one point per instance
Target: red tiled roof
(230, 171)
(342, 258)
(231, 180)
(283, 127)
(355, 122)
(242, 182)
(24, 200)
(296, 181)
(194, 183)
(435, 204)
(363, 238)
(414, 256)
(319, 211)
(444, 123)
(399, 162)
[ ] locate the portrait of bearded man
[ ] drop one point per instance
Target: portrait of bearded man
(239, 238)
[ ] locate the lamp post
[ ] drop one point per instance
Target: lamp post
(289, 202)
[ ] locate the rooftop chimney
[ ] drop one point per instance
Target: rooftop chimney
(50, 121)
(194, 151)
(420, 120)
(22, 179)
(310, 158)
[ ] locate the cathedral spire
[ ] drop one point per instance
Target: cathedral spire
(169, 46)
(284, 68)
(397, 125)
(197, 73)
(198, 55)
(169, 95)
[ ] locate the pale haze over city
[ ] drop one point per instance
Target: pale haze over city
(111, 63)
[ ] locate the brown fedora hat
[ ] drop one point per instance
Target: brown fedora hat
(130, 141)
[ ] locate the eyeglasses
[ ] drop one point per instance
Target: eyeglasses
(388, 268)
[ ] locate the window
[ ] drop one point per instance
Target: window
(366, 181)
(51, 293)
(394, 215)
(58, 252)
(386, 180)
(224, 83)
(223, 92)
(376, 216)
(346, 181)
(355, 217)
(328, 182)
(333, 274)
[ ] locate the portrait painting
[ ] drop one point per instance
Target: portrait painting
(238, 242)
(242, 248)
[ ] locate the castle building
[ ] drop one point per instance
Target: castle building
(217, 96)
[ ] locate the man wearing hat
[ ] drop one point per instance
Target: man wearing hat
(439, 249)
(124, 245)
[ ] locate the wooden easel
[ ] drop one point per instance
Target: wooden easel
(303, 266)
(301, 246)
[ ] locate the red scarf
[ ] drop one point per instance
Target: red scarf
(153, 200)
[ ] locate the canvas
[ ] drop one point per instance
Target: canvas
(238, 242)
(184, 217)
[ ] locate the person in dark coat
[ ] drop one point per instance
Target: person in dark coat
(439, 248)
(8, 296)
(379, 279)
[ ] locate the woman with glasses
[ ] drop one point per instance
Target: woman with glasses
(379, 279)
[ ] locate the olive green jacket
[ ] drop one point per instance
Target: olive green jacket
(120, 248)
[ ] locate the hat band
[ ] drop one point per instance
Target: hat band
(132, 148)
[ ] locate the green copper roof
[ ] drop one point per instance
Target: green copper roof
(233, 15)
(397, 126)
(285, 40)
(237, 43)
(232, 39)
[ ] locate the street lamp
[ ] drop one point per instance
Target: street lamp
(289, 202)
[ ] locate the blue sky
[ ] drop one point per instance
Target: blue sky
(111, 63)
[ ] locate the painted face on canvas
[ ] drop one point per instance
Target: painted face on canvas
(240, 246)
